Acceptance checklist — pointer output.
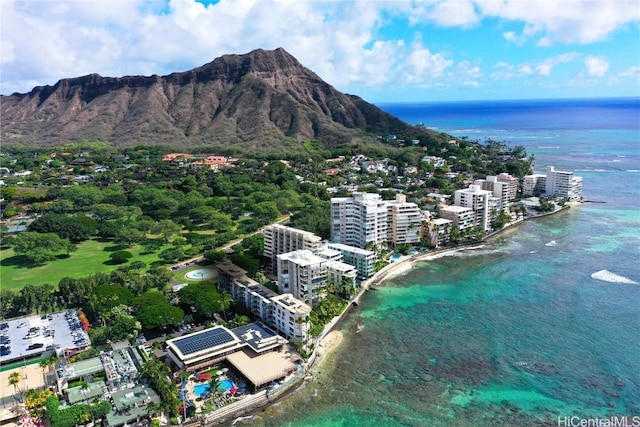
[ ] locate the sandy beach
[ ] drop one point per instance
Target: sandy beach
(329, 343)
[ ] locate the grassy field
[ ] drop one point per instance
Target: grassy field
(92, 256)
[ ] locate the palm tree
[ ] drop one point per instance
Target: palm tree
(14, 380)
(47, 363)
(225, 302)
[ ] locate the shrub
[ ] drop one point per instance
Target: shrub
(120, 257)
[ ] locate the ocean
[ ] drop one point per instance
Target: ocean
(540, 326)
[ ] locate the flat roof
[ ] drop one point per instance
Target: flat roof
(348, 248)
(264, 368)
(60, 329)
(207, 340)
(303, 257)
(82, 368)
(258, 337)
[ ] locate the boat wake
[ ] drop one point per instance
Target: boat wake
(607, 276)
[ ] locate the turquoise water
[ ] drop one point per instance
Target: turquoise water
(517, 333)
(225, 385)
(201, 389)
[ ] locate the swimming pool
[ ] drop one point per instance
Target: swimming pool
(225, 385)
(201, 389)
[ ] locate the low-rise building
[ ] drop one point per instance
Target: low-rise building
(460, 216)
(363, 260)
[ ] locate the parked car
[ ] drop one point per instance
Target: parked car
(35, 346)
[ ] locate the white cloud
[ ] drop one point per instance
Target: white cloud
(348, 43)
(422, 65)
(458, 13)
(631, 72)
(569, 21)
(544, 68)
(596, 66)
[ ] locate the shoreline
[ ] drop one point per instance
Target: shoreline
(401, 266)
(331, 339)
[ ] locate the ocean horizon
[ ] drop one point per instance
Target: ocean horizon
(538, 325)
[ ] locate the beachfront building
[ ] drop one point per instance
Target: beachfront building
(280, 239)
(563, 184)
(252, 350)
(329, 254)
(291, 317)
(303, 274)
(338, 272)
(504, 187)
(480, 201)
(534, 185)
(364, 218)
(359, 220)
(555, 183)
(460, 217)
(277, 311)
(438, 231)
(363, 260)
(406, 219)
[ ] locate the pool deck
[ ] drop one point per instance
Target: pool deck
(190, 385)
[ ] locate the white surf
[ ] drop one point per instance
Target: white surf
(607, 276)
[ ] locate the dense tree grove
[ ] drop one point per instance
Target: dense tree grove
(140, 204)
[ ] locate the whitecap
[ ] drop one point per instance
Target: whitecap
(607, 276)
(633, 170)
(551, 243)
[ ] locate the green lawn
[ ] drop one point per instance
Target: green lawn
(89, 258)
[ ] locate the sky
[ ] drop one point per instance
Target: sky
(383, 51)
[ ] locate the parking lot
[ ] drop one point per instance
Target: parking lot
(28, 337)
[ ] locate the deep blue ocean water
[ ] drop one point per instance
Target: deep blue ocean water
(517, 333)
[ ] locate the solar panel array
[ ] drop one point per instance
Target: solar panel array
(205, 340)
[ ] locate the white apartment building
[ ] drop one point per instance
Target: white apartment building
(480, 201)
(359, 220)
(281, 312)
(439, 231)
(563, 184)
(280, 239)
(512, 185)
(365, 218)
(504, 187)
(337, 271)
(406, 219)
(460, 216)
(303, 274)
(554, 183)
(291, 317)
(534, 185)
(363, 260)
(329, 254)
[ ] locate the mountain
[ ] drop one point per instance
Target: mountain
(248, 101)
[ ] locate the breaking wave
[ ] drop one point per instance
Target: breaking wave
(607, 276)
